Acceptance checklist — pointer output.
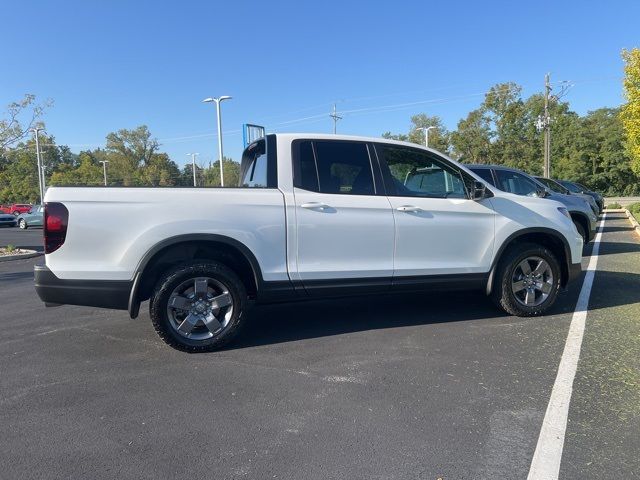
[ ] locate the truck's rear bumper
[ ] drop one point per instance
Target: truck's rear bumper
(92, 293)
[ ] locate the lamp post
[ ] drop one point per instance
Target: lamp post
(217, 101)
(426, 134)
(36, 132)
(104, 170)
(193, 166)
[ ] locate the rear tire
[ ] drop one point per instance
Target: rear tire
(527, 280)
(199, 306)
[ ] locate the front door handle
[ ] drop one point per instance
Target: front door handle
(315, 205)
(409, 208)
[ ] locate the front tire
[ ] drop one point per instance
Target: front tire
(198, 306)
(22, 224)
(527, 280)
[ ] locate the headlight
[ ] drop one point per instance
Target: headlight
(565, 212)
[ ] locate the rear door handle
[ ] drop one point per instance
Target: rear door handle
(315, 205)
(409, 208)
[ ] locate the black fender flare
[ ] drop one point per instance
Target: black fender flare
(134, 302)
(526, 231)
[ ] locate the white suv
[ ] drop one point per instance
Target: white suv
(314, 215)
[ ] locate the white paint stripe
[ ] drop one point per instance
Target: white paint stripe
(546, 459)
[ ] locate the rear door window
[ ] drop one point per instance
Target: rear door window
(336, 167)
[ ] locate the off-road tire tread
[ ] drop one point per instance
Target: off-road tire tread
(166, 284)
(502, 295)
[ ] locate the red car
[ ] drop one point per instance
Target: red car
(16, 208)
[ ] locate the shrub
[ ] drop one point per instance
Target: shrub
(634, 208)
(613, 205)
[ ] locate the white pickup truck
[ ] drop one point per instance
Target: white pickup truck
(315, 215)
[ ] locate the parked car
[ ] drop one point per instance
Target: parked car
(7, 220)
(316, 216)
(554, 186)
(33, 218)
(575, 187)
(520, 183)
(16, 208)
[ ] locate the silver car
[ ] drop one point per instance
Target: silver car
(558, 188)
(516, 181)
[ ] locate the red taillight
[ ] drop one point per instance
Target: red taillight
(56, 217)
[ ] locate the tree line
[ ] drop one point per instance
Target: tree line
(589, 149)
(600, 149)
(134, 159)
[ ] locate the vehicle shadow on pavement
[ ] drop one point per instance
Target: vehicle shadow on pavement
(271, 324)
(616, 229)
(613, 248)
(613, 289)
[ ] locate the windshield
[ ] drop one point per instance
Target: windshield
(552, 185)
(570, 186)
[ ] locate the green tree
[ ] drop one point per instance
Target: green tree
(129, 151)
(231, 174)
(87, 171)
(471, 142)
(601, 160)
(630, 112)
(160, 171)
(438, 136)
(19, 176)
(506, 112)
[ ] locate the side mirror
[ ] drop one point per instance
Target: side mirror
(479, 191)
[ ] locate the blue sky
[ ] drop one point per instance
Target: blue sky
(119, 64)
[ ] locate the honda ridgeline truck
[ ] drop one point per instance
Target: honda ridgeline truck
(314, 216)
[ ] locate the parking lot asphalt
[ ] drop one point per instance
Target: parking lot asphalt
(30, 238)
(433, 386)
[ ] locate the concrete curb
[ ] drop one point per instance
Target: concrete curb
(633, 221)
(20, 256)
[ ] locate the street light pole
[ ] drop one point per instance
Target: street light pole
(193, 166)
(217, 101)
(104, 170)
(426, 134)
(36, 132)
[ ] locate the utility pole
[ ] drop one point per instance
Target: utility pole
(104, 170)
(547, 128)
(193, 167)
(335, 117)
(36, 132)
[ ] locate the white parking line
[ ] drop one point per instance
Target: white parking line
(546, 459)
